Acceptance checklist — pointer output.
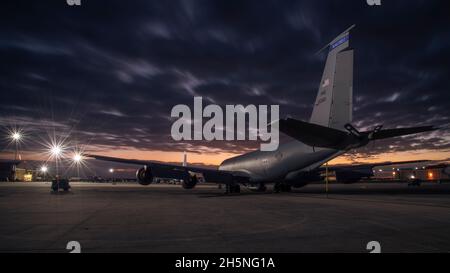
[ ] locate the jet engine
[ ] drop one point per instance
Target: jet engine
(144, 176)
(190, 181)
(303, 178)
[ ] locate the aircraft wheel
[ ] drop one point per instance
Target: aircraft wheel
(262, 188)
(287, 188)
(277, 187)
(281, 187)
(233, 188)
(236, 188)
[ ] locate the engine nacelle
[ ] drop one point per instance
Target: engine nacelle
(303, 178)
(190, 181)
(144, 176)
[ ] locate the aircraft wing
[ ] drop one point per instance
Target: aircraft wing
(165, 170)
(14, 162)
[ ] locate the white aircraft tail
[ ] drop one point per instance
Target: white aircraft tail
(334, 101)
(184, 164)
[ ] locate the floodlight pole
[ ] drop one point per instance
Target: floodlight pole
(56, 171)
(56, 167)
(326, 179)
(17, 148)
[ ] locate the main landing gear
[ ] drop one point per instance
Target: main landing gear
(278, 187)
(261, 188)
(232, 188)
(282, 187)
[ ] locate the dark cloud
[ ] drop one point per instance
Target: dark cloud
(109, 72)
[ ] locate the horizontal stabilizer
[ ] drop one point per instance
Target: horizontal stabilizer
(315, 135)
(326, 137)
(387, 133)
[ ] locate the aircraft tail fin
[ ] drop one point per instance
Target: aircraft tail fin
(334, 101)
(184, 164)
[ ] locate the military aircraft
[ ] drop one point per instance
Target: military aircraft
(328, 134)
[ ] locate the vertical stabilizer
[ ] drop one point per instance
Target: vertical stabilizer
(333, 105)
(184, 159)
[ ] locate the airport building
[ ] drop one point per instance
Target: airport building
(11, 170)
(436, 173)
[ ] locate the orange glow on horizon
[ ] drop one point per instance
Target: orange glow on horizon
(215, 158)
(398, 156)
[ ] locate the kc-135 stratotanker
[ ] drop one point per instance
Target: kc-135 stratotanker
(327, 135)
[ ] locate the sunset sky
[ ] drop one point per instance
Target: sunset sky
(105, 75)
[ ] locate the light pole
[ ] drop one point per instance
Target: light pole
(77, 158)
(326, 179)
(111, 171)
(44, 170)
(56, 152)
(16, 137)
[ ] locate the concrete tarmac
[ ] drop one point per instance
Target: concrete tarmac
(167, 218)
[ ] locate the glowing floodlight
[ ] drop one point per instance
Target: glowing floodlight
(16, 136)
(44, 169)
(77, 160)
(111, 170)
(77, 157)
(56, 150)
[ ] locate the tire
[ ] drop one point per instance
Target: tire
(277, 188)
(262, 188)
(287, 188)
(235, 188)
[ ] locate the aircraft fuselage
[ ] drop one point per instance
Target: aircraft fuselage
(284, 163)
